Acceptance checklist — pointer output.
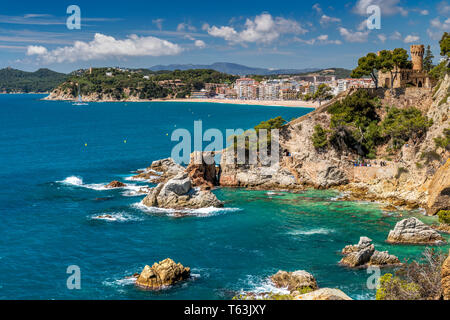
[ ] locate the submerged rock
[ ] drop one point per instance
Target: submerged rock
(364, 254)
(414, 231)
(294, 281)
(445, 273)
(161, 275)
(178, 193)
(324, 294)
(115, 184)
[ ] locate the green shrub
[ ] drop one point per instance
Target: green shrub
(444, 216)
(418, 280)
(401, 125)
(430, 156)
(394, 288)
(444, 100)
(356, 116)
(401, 171)
(443, 142)
(319, 137)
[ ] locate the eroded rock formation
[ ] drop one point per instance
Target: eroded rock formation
(202, 169)
(294, 281)
(446, 279)
(161, 275)
(178, 193)
(364, 254)
(414, 231)
(115, 184)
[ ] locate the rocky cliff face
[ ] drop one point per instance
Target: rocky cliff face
(407, 180)
(64, 95)
(446, 279)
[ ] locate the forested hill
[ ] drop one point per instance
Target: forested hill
(121, 84)
(42, 80)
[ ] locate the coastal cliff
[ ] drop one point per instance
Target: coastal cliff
(413, 174)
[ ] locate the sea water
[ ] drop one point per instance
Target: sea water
(55, 159)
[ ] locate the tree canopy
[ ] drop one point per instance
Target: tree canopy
(368, 66)
(445, 45)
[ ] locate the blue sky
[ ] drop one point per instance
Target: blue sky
(270, 34)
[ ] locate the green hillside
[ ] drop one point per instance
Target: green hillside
(42, 80)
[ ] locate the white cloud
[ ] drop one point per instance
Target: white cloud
(322, 39)
(36, 50)
(443, 8)
(424, 12)
(411, 38)
(326, 20)
(396, 36)
(437, 28)
(357, 36)
(317, 8)
(200, 44)
(158, 23)
(104, 46)
(263, 29)
(382, 38)
(186, 27)
(388, 7)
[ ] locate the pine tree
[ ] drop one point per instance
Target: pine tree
(428, 60)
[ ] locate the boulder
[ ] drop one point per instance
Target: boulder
(177, 193)
(115, 184)
(294, 281)
(445, 273)
(383, 259)
(364, 254)
(324, 294)
(358, 258)
(161, 275)
(202, 169)
(364, 242)
(331, 176)
(160, 171)
(414, 231)
(180, 185)
(439, 190)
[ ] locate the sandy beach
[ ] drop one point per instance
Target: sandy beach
(292, 104)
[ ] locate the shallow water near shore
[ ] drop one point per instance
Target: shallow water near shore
(53, 194)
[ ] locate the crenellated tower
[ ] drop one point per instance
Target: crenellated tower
(417, 53)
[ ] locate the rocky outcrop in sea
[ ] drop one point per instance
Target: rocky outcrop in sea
(364, 254)
(300, 284)
(414, 231)
(178, 193)
(162, 275)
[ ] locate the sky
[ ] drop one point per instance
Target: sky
(269, 34)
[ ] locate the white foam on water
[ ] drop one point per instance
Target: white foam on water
(310, 232)
(202, 212)
(273, 193)
(78, 182)
(260, 286)
(132, 189)
(115, 217)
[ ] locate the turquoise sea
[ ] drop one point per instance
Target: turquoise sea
(54, 159)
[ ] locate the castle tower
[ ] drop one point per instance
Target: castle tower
(417, 53)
